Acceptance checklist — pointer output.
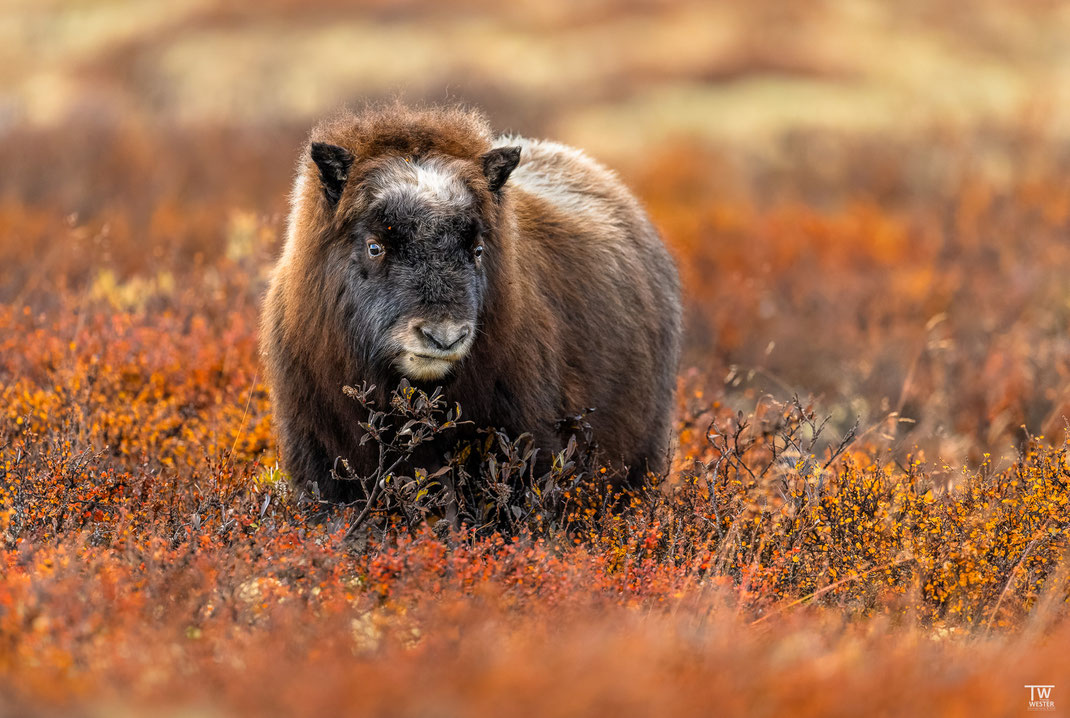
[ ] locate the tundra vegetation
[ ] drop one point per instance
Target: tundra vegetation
(867, 511)
(149, 545)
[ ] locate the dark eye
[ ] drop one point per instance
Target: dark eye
(478, 251)
(375, 249)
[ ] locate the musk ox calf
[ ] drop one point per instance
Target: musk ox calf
(518, 274)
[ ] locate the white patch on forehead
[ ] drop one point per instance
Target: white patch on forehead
(431, 182)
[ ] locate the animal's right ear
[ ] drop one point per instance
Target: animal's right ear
(333, 163)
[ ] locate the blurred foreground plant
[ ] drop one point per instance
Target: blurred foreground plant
(481, 479)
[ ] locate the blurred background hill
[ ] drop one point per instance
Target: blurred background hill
(611, 76)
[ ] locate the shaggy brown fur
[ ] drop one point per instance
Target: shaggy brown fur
(574, 304)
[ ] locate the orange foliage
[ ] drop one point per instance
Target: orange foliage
(149, 553)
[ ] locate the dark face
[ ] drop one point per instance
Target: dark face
(417, 279)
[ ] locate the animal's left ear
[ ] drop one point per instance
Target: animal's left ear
(498, 164)
(333, 163)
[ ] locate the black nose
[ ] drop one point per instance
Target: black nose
(444, 335)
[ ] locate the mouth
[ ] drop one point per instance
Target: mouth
(434, 357)
(430, 350)
(426, 366)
